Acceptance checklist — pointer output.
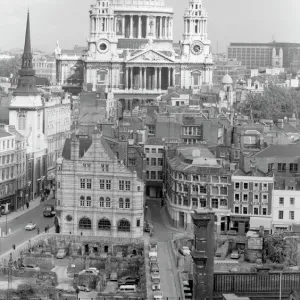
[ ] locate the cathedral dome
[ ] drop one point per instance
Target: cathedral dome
(227, 79)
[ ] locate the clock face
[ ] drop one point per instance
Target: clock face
(102, 46)
(197, 48)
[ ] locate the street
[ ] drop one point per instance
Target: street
(162, 235)
(19, 234)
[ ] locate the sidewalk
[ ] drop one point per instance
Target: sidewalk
(23, 210)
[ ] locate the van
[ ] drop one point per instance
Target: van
(127, 288)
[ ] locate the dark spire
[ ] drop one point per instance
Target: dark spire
(26, 82)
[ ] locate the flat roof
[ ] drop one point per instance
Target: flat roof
(4, 133)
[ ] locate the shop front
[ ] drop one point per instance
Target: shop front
(240, 224)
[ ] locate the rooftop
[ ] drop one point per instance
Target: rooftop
(4, 133)
(291, 150)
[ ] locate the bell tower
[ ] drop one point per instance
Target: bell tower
(203, 254)
(195, 43)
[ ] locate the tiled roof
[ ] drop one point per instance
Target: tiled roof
(84, 145)
(292, 150)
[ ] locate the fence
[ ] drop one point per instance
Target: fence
(256, 283)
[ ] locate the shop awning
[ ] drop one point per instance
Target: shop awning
(265, 221)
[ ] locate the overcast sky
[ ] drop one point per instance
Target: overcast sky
(229, 21)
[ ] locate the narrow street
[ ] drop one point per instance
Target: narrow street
(19, 234)
(163, 235)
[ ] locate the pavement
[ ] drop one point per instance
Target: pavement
(16, 221)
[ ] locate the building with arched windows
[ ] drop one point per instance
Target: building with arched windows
(130, 52)
(96, 194)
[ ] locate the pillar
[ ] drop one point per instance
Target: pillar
(145, 78)
(169, 77)
(123, 26)
(141, 78)
(131, 78)
(171, 28)
(155, 78)
(173, 79)
(131, 27)
(159, 78)
(140, 27)
(160, 27)
(127, 79)
(147, 26)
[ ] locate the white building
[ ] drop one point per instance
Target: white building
(97, 195)
(285, 209)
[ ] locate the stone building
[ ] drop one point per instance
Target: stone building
(97, 195)
(131, 52)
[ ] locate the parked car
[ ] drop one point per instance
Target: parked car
(155, 275)
(154, 267)
(83, 288)
(113, 276)
(94, 269)
(89, 272)
(235, 255)
(30, 226)
(153, 252)
(61, 253)
(148, 227)
(157, 295)
(153, 245)
(128, 280)
(185, 251)
(49, 211)
(155, 284)
(30, 268)
(153, 259)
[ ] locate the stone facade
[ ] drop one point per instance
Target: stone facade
(130, 51)
(97, 195)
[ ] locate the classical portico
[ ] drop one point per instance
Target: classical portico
(145, 77)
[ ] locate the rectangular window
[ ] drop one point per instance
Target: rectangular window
(280, 215)
(281, 167)
(237, 197)
(128, 185)
(255, 210)
(102, 184)
(160, 175)
(108, 184)
(293, 168)
(147, 150)
(256, 186)
(281, 201)
(82, 183)
(89, 203)
(270, 167)
(89, 184)
(292, 201)
(265, 186)
(224, 179)
(223, 202)
(245, 210)
(153, 161)
(159, 161)
(202, 202)
(131, 161)
(245, 186)
(138, 223)
(203, 189)
(153, 175)
(223, 190)
(121, 185)
(292, 215)
(264, 211)
(147, 161)
(237, 185)
(195, 202)
(81, 202)
(214, 190)
(214, 203)
(245, 197)
(147, 175)
(236, 210)
(153, 150)
(160, 150)
(265, 197)
(255, 197)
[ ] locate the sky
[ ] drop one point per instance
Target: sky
(229, 21)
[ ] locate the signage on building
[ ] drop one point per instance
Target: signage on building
(255, 243)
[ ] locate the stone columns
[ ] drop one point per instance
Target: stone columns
(131, 27)
(169, 77)
(127, 79)
(160, 27)
(155, 78)
(131, 78)
(141, 78)
(140, 27)
(123, 26)
(171, 28)
(173, 79)
(159, 78)
(145, 78)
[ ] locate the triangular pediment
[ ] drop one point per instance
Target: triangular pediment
(150, 55)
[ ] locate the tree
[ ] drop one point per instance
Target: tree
(274, 248)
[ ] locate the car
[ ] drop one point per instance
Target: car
(153, 259)
(157, 295)
(113, 277)
(148, 227)
(235, 255)
(93, 269)
(30, 268)
(185, 251)
(88, 272)
(61, 253)
(83, 288)
(30, 226)
(153, 252)
(153, 245)
(155, 275)
(49, 211)
(128, 280)
(154, 267)
(156, 284)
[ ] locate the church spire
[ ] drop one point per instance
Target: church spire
(26, 82)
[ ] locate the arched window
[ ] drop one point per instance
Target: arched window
(104, 224)
(85, 223)
(107, 202)
(124, 225)
(88, 201)
(127, 203)
(101, 202)
(121, 203)
(81, 200)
